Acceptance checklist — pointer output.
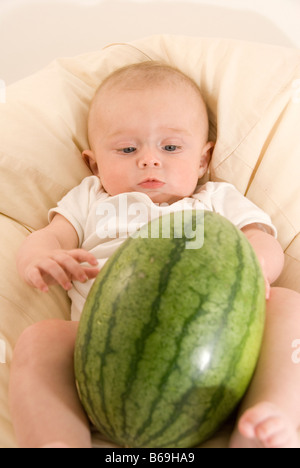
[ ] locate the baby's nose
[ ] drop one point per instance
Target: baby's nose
(149, 160)
(151, 163)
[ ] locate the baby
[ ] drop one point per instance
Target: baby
(148, 134)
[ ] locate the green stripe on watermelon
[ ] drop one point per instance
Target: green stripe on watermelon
(169, 337)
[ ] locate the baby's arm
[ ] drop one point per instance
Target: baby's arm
(51, 256)
(268, 251)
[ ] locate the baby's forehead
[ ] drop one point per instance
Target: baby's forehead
(113, 98)
(147, 75)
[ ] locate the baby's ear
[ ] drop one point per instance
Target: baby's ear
(90, 161)
(206, 157)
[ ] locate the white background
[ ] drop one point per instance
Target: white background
(34, 32)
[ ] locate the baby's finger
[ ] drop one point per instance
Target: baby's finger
(91, 272)
(82, 255)
(52, 268)
(71, 267)
(35, 278)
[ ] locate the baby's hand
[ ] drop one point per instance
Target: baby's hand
(61, 267)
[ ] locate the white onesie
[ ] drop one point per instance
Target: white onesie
(103, 222)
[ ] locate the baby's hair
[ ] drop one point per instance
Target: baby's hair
(144, 75)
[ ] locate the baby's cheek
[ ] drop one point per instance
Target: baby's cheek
(188, 180)
(112, 182)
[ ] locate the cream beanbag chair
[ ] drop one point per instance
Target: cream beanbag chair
(253, 95)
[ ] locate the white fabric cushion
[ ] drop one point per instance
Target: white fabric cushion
(253, 96)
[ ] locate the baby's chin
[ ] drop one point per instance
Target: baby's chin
(157, 197)
(163, 198)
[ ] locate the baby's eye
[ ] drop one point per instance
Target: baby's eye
(170, 148)
(128, 150)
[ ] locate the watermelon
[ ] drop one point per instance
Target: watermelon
(171, 332)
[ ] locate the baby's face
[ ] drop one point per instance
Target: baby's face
(150, 141)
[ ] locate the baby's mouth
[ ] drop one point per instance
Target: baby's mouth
(151, 183)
